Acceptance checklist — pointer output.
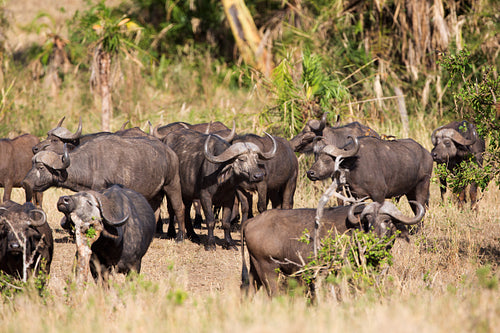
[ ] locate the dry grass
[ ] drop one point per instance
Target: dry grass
(434, 285)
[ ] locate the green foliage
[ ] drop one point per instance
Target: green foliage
(10, 286)
(302, 91)
(464, 174)
(476, 88)
(487, 278)
(358, 257)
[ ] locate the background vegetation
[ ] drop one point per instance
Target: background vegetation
(387, 64)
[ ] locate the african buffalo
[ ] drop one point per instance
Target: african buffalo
(454, 143)
(208, 128)
(59, 136)
(124, 224)
(26, 243)
(337, 136)
(272, 238)
(142, 164)
(15, 162)
(377, 168)
(280, 177)
(211, 169)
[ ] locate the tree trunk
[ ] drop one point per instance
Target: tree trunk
(254, 50)
(104, 79)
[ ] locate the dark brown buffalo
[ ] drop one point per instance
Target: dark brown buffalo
(126, 225)
(26, 243)
(60, 136)
(211, 169)
(377, 168)
(272, 238)
(454, 143)
(142, 164)
(337, 135)
(15, 162)
(280, 177)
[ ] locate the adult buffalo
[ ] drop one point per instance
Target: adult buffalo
(272, 238)
(211, 169)
(336, 135)
(60, 136)
(454, 143)
(377, 168)
(280, 177)
(208, 128)
(142, 164)
(124, 224)
(26, 243)
(15, 162)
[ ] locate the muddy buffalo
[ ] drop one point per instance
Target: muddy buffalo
(124, 224)
(336, 135)
(26, 243)
(211, 169)
(377, 168)
(280, 179)
(142, 164)
(272, 238)
(15, 162)
(454, 143)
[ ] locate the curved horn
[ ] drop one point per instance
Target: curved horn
(124, 125)
(207, 131)
(155, 132)
(350, 214)
(272, 152)
(231, 152)
(371, 208)
(65, 134)
(37, 217)
(53, 160)
(150, 128)
(390, 209)
(454, 135)
(65, 158)
(61, 121)
(108, 213)
(231, 135)
(334, 151)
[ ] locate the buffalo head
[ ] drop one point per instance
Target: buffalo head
(452, 142)
(242, 160)
(57, 137)
(325, 156)
(303, 142)
(384, 218)
(48, 169)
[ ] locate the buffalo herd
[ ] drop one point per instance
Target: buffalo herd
(121, 178)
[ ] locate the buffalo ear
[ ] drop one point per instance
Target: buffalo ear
(112, 213)
(225, 174)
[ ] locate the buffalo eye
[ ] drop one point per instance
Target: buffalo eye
(447, 143)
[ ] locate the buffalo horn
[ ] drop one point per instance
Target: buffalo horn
(231, 135)
(454, 135)
(350, 214)
(231, 152)
(124, 125)
(390, 209)
(37, 217)
(65, 134)
(61, 121)
(270, 154)
(108, 213)
(52, 160)
(334, 151)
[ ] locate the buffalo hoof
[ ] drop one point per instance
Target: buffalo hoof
(179, 238)
(210, 246)
(230, 246)
(194, 238)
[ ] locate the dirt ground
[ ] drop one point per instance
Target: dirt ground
(186, 265)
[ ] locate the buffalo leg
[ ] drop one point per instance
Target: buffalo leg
(244, 201)
(206, 204)
(442, 187)
(7, 191)
(288, 193)
(174, 197)
(226, 225)
(198, 219)
(38, 196)
(187, 221)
